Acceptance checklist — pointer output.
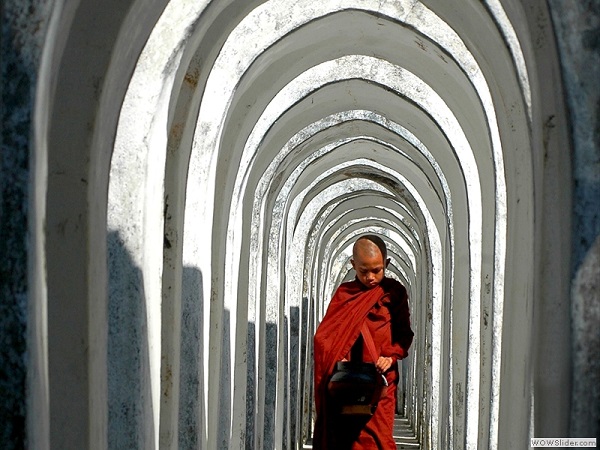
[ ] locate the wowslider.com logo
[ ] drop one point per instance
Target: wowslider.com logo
(562, 442)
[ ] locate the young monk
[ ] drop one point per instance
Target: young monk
(383, 303)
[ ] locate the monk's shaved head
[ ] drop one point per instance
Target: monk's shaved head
(369, 245)
(369, 260)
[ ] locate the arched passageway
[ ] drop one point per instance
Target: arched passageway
(231, 166)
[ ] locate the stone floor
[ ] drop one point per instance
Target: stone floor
(404, 435)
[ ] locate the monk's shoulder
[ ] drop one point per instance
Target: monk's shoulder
(394, 288)
(344, 292)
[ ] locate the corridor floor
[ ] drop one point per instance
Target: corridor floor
(404, 435)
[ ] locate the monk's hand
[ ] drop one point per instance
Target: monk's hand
(383, 364)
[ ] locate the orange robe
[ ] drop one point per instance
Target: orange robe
(385, 309)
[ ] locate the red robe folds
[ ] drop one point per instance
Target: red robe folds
(385, 308)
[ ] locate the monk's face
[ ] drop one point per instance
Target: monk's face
(368, 263)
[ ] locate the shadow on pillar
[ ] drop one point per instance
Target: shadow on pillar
(294, 370)
(270, 387)
(293, 362)
(250, 383)
(130, 409)
(225, 384)
(192, 421)
(288, 366)
(191, 376)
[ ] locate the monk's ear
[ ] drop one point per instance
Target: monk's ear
(352, 262)
(387, 262)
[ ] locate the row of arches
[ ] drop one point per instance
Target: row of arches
(255, 170)
(232, 165)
